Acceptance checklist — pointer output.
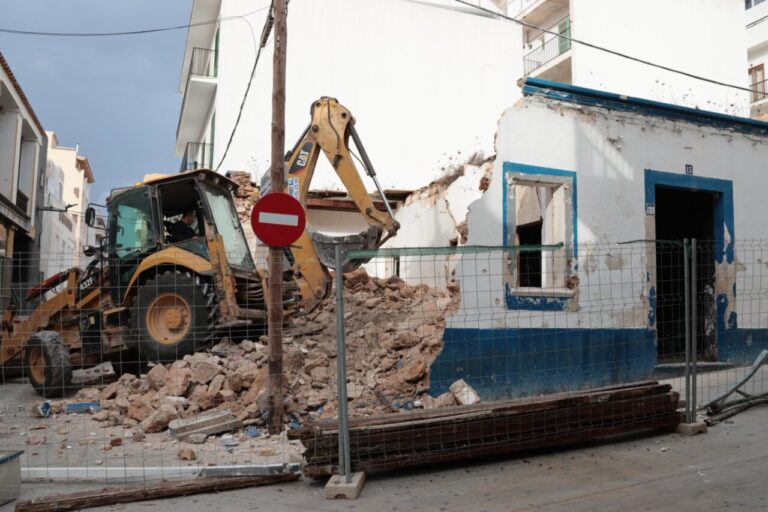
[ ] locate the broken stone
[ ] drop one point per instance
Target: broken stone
(196, 438)
(204, 371)
(202, 398)
(320, 374)
(102, 415)
(187, 454)
(110, 391)
(159, 419)
(235, 381)
(226, 395)
(139, 411)
(157, 376)
(217, 383)
(415, 372)
(464, 393)
(179, 379)
(444, 400)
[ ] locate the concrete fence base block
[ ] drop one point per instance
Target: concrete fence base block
(337, 487)
(691, 429)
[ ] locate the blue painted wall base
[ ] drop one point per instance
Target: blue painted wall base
(508, 363)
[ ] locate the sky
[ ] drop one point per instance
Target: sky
(117, 97)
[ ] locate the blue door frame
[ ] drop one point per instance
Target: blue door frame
(723, 235)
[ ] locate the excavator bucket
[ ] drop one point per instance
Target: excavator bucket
(326, 252)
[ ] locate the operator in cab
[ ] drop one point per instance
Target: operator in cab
(182, 229)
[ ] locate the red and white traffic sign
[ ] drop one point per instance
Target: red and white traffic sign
(278, 219)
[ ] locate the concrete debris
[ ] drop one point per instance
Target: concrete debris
(463, 393)
(207, 424)
(394, 333)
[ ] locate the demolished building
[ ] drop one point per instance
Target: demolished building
(596, 180)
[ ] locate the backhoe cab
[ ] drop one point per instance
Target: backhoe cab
(149, 294)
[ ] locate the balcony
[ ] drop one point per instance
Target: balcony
(536, 12)
(759, 100)
(197, 155)
(552, 59)
(199, 94)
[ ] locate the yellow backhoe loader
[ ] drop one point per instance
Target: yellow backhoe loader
(147, 295)
(174, 270)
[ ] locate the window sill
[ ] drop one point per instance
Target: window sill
(565, 293)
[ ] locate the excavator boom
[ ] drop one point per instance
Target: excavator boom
(331, 127)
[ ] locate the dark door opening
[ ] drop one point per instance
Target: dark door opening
(684, 214)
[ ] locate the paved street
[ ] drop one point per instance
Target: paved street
(722, 470)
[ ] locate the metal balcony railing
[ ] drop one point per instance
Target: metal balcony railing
(197, 155)
(759, 91)
(204, 62)
(548, 51)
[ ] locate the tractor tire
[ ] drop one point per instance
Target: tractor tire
(174, 315)
(47, 364)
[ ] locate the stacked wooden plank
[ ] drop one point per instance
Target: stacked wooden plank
(380, 443)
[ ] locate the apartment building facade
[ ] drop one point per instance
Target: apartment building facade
(677, 35)
(757, 53)
(427, 95)
(67, 194)
(22, 162)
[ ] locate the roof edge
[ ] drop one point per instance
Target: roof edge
(613, 101)
(7, 68)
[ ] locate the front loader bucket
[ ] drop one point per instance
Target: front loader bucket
(325, 247)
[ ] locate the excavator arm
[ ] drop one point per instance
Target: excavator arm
(312, 255)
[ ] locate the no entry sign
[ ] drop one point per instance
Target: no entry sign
(278, 219)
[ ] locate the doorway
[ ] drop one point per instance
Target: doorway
(683, 213)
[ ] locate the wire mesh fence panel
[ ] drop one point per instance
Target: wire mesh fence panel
(141, 365)
(465, 351)
(732, 324)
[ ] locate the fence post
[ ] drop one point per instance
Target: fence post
(687, 294)
(341, 372)
(694, 328)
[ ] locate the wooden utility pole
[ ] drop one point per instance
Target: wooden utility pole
(277, 173)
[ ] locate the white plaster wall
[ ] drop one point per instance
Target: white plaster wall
(424, 82)
(66, 160)
(429, 218)
(703, 37)
(609, 152)
(53, 256)
(757, 35)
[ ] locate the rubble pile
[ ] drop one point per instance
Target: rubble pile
(245, 196)
(393, 333)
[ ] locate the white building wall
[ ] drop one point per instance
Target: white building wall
(424, 83)
(702, 37)
(57, 242)
(62, 247)
(609, 153)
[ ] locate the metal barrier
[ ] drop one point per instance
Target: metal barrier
(463, 354)
(441, 354)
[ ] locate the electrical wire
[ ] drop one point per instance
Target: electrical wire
(128, 32)
(264, 39)
(607, 50)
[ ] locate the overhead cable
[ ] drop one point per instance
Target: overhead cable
(606, 50)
